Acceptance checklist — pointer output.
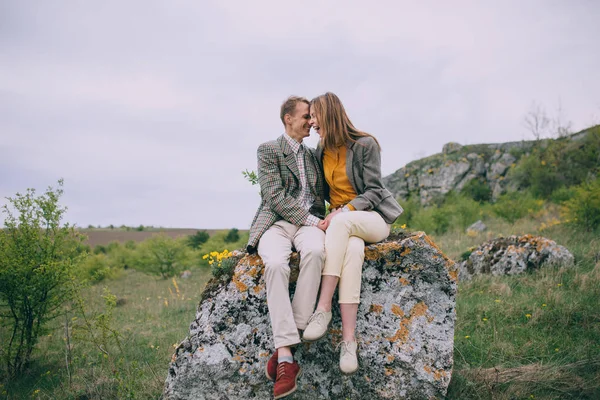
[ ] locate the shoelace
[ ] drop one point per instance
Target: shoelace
(316, 315)
(345, 348)
(280, 370)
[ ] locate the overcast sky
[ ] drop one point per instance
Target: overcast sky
(150, 110)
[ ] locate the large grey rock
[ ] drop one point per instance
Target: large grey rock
(405, 331)
(514, 255)
(478, 226)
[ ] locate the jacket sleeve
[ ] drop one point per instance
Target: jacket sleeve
(272, 190)
(374, 192)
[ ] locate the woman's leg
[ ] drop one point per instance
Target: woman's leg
(328, 285)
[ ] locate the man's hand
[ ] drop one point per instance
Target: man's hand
(323, 225)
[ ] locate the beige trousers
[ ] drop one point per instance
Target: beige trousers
(345, 248)
(275, 248)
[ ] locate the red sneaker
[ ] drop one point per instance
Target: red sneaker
(271, 369)
(287, 378)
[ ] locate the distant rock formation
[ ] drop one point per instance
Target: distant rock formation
(477, 227)
(514, 255)
(457, 165)
(405, 332)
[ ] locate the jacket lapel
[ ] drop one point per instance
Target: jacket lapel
(290, 158)
(349, 164)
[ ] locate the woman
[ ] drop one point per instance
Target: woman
(362, 210)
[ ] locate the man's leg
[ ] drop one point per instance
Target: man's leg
(310, 243)
(275, 247)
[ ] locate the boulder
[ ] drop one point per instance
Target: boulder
(514, 255)
(478, 226)
(405, 332)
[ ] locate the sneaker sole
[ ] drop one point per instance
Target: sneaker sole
(349, 373)
(314, 340)
(281, 396)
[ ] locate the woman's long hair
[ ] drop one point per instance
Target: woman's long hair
(334, 122)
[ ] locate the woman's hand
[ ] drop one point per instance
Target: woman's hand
(323, 224)
(333, 214)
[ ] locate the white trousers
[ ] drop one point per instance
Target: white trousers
(345, 248)
(275, 248)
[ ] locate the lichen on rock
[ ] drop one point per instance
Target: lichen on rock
(514, 255)
(405, 331)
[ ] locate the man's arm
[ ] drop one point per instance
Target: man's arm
(273, 192)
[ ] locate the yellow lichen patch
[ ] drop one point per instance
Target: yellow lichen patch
(237, 358)
(200, 349)
(389, 371)
(253, 272)
(376, 308)
(439, 374)
(173, 358)
(427, 369)
(397, 310)
(430, 318)
(251, 260)
(257, 289)
(405, 252)
(390, 358)
(261, 355)
(242, 370)
(404, 281)
(367, 379)
(241, 286)
(418, 310)
(453, 275)
(401, 334)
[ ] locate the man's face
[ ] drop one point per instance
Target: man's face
(300, 127)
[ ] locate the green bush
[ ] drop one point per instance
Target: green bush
(583, 209)
(163, 256)
(516, 205)
(198, 239)
(232, 236)
(411, 206)
(38, 256)
(478, 190)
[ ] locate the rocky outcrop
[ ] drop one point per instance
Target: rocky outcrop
(405, 331)
(514, 255)
(455, 167)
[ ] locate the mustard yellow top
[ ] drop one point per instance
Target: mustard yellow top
(341, 191)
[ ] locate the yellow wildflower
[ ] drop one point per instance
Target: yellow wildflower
(204, 257)
(467, 337)
(403, 226)
(485, 319)
(544, 305)
(528, 315)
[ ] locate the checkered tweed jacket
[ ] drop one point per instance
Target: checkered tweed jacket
(279, 180)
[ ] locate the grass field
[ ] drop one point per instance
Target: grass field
(103, 236)
(531, 336)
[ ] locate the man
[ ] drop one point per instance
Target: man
(290, 216)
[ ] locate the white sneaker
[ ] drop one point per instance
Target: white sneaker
(317, 326)
(348, 360)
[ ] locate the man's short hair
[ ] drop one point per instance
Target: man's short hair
(289, 106)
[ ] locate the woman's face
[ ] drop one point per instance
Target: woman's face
(314, 122)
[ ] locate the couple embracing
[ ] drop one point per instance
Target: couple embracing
(295, 181)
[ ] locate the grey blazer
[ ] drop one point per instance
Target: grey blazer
(363, 167)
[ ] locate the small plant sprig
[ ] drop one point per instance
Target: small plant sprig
(251, 177)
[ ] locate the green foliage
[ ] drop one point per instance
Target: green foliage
(562, 194)
(162, 255)
(583, 209)
(198, 239)
(411, 207)
(251, 177)
(95, 268)
(224, 268)
(478, 190)
(559, 163)
(37, 259)
(232, 236)
(140, 228)
(516, 205)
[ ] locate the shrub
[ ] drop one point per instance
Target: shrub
(198, 239)
(232, 236)
(583, 209)
(37, 260)
(478, 190)
(516, 205)
(411, 206)
(162, 255)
